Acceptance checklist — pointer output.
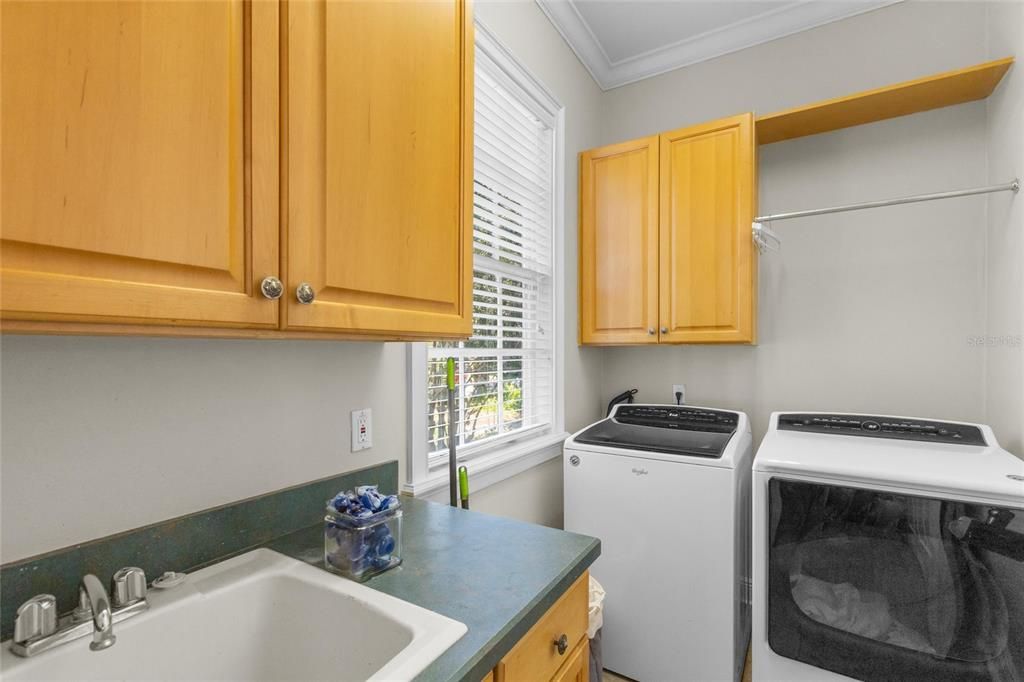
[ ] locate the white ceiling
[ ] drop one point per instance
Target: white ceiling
(621, 41)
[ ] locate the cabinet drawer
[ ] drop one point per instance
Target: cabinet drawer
(536, 656)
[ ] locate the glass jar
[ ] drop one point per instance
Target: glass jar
(359, 548)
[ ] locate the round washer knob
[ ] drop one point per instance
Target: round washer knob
(304, 293)
(271, 288)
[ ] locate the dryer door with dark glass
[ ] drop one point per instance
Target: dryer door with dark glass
(880, 586)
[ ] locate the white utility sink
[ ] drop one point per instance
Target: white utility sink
(259, 616)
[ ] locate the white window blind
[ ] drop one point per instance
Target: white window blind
(504, 373)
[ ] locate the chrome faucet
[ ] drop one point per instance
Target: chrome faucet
(94, 604)
(37, 628)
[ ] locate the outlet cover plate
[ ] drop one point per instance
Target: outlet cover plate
(362, 429)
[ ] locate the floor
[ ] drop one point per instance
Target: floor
(608, 676)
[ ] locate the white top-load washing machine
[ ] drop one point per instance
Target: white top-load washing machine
(667, 491)
(886, 548)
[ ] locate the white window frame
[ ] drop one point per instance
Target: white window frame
(500, 457)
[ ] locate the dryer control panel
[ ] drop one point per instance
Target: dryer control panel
(883, 427)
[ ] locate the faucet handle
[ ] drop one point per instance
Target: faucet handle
(128, 586)
(36, 618)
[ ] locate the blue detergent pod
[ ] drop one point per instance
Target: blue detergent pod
(385, 546)
(357, 551)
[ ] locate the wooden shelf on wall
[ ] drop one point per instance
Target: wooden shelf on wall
(909, 97)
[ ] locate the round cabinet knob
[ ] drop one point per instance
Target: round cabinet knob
(272, 288)
(304, 293)
(129, 586)
(562, 643)
(664, 330)
(650, 330)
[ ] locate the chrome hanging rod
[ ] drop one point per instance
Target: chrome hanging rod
(1012, 186)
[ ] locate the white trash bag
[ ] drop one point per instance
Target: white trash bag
(596, 608)
(594, 623)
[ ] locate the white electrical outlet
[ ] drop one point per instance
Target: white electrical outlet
(681, 390)
(362, 429)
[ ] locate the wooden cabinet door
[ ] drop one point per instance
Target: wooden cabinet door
(619, 243)
(708, 260)
(139, 161)
(380, 166)
(577, 668)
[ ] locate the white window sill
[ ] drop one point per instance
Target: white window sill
(493, 467)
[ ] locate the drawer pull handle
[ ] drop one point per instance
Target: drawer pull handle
(562, 643)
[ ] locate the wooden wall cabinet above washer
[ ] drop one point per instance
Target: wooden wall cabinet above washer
(665, 248)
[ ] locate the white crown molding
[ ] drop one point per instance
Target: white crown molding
(576, 32)
(778, 23)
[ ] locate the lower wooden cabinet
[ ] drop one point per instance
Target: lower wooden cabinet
(556, 647)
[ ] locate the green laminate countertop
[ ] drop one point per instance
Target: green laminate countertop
(496, 575)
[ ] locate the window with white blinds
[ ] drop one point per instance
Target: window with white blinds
(504, 372)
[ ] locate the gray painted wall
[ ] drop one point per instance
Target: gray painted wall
(1005, 258)
(867, 311)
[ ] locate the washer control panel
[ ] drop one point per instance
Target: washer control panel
(671, 417)
(883, 427)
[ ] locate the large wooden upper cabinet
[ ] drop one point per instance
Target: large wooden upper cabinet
(161, 159)
(665, 248)
(380, 149)
(139, 161)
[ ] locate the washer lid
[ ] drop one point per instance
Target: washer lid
(668, 429)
